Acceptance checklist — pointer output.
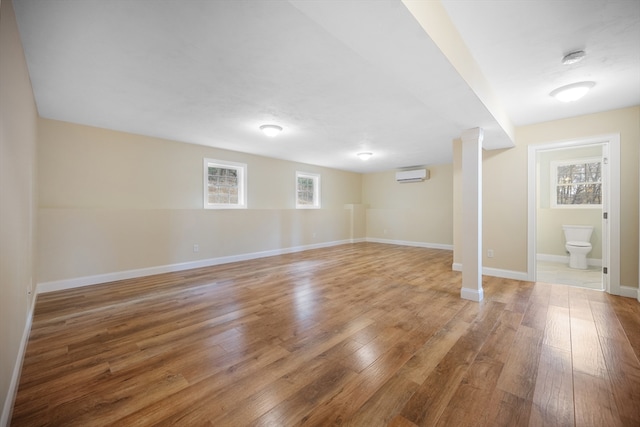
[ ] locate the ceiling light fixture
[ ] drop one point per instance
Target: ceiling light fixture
(572, 92)
(573, 57)
(365, 156)
(271, 130)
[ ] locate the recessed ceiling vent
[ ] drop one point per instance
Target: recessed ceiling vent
(415, 175)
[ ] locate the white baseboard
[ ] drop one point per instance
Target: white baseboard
(505, 274)
(472, 294)
(7, 409)
(78, 282)
(625, 291)
(410, 243)
(496, 272)
(629, 292)
(564, 259)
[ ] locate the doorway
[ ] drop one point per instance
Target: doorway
(570, 192)
(575, 183)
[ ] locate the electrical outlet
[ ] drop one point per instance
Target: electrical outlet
(196, 248)
(490, 253)
(314, 235)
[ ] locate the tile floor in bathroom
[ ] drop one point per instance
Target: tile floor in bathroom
(560, 273)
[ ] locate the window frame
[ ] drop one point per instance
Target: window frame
(554, 165)
(317, 197)
(242, 184)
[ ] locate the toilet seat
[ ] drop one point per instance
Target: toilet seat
(576, 244)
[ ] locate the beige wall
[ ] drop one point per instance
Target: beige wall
(550, 236)
(113, 202)
(17, 199)
(457, 201)
(505, 187)
(420, 212)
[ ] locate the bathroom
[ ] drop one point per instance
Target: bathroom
(569, 193)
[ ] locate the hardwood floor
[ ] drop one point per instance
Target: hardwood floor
(360, 335)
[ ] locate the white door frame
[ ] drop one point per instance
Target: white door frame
(611, 227)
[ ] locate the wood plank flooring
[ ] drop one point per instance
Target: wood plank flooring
(359, 335)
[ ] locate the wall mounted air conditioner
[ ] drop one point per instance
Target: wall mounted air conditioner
(416, 175)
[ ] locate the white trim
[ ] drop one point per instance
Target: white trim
(610, 256)
(58, 285)
(553, 182)
(242, 184)
(17, 369)
(629, 292)
(496, 272)
(411, 243)
(472, 294)
(595, 262)
(613, 255)
(317, 195)
(505, 274)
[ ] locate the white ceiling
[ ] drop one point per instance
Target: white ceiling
(339, 77)
(519, 45)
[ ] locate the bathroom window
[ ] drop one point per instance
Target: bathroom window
(576, 183)
(307, 190)
(225, 184)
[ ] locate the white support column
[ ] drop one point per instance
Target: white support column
(472, 215)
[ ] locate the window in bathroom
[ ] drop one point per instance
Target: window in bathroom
(576, 183)
(225, 184)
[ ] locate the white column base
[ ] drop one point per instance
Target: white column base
(472, 294)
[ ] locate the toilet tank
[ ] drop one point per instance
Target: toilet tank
(577, 233)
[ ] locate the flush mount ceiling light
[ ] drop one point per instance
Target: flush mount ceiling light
(271, 130)
(572, 92)
(573, 57)
(365, 156)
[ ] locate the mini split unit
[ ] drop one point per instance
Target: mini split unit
(416, 175)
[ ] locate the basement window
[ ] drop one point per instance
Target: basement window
(225, 184)
(576, 183)
(307, 190)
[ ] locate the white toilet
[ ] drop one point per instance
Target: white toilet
(578, 244)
